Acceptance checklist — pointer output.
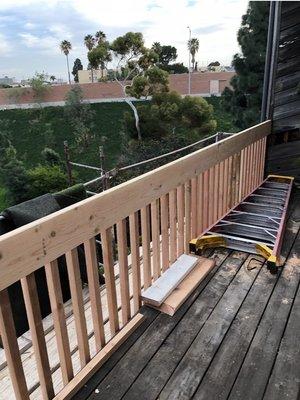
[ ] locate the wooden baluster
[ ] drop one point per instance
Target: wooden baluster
(180, 217)
(216, 192)
(259, 163)
(262, 163)
(187, 216)
(255, 165)
(248, 185)
(135, 260)
(238, 177)
(110, 283)
(210, 204)
(229, 184)
(155, 238)
(252, 166)
(164, 231)
(146, 246)
(35, 323)
(200, 204)
(263, 157)
(94, 291)
(78, 307)
(244, 172)
(221, 190)
(225, 186)
(205, 199)
(233, 180)
(123, 270)
(11, 348)
(194, 214)
(59, 320)
(173, 228)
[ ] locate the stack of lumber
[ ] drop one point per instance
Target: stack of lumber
(175, 285)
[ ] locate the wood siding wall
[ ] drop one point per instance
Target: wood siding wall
(284, 145)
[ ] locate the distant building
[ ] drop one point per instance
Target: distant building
(6, 81)
(85, 75)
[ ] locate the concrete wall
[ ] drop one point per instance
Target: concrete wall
(96, 92)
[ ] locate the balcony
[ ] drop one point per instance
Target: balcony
(237, 330)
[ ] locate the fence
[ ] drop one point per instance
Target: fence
(159, 212)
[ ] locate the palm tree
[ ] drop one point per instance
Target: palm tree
(193, 46)
(100, 37)
(89, 42)
(65, 47)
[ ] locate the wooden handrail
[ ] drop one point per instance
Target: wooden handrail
(46, 239)
(156, 213)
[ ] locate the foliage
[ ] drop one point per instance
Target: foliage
(154, 80)
(99, 56)
(80, 116)
(39, 86)
(77, 67)
(15, 180)
(177, 68)
(45, 179)
(65, 47)
(51, 157)
(244, 100)
(166, 54)
(170, 113)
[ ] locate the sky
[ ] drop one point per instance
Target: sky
(31, 30)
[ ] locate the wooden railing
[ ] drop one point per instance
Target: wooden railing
(155, 216)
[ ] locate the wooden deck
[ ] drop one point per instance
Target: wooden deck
(236, 337)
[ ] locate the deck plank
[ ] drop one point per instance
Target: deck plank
(123, 375)
(261, 355)
(160, 368)
(189, 372)
(284, 382)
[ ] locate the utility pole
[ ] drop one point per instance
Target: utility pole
(68, 164)
(190, 36)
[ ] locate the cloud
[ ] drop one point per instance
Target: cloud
(5, 48)
(36, 27)
(206, 30)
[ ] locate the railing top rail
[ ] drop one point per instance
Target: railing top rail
(25, 249)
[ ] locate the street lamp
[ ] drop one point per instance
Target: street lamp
(190, 35)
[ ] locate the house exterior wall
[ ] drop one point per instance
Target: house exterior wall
(86, 75)
(200, 85)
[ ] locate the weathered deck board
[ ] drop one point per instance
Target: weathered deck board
(235, 337)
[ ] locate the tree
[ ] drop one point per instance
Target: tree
(77, 67)
(193, 46)
(169, 113)
(80, 116)
(66, 47)
(40, 86)
(100, 37)
(166, 54)
(45, 179)
(51, 157)
(89, 42)
(176, 68)
(244, 99)
(100, 56)
(52, 78)
(139, 74)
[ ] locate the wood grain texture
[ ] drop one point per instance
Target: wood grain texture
(110, 282)
(145, 222)
(59, 320)
(78, 307)
(135, 260)
(187, 216)
(165, 250)
(10, 344)
(180, 218)
(82, 377)
(123, 270)
(155, 225)
(173, 225)
(45, 240)
(37, 333)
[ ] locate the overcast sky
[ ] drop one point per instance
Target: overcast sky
(31, 30)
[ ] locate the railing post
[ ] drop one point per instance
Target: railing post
(68, 164)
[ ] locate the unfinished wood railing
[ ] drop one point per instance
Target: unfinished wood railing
(155, 216)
